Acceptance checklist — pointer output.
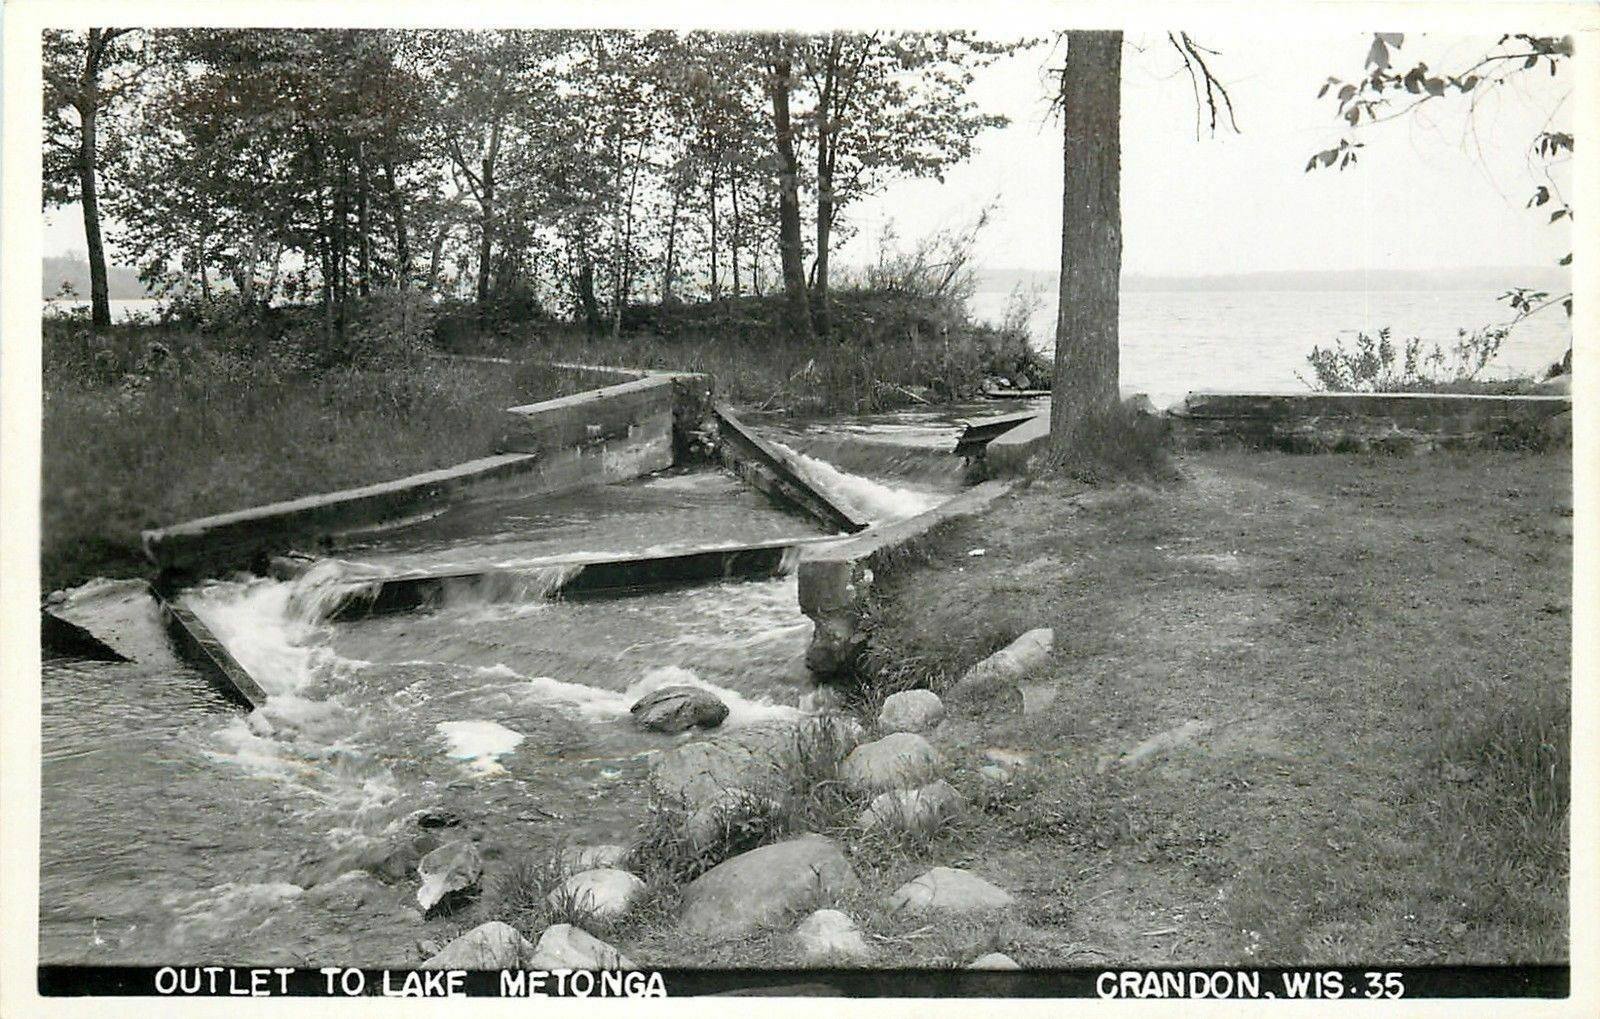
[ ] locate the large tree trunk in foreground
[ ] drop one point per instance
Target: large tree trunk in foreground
(1091, 231)
(790, 248)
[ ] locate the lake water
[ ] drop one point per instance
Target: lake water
(1253, 341)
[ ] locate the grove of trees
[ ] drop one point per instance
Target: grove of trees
(579, 170)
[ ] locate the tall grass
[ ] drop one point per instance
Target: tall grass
(150, 427)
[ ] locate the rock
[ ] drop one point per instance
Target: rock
(820, 699)
(563, 946)
(604, 893)
(994, 773)
(901, 760)
(1154, 747)
(575, 859)
(1006, 667)
(709, 824)
(830, 936)
(911, 711)
(676, 708)
(1011, 760)
(920, 810)
(493, 945)
(449, 870)
(945, 889)
(749, 758)
(994, 960)
(762, 885)
(346, 893)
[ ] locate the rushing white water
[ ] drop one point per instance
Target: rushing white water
(874, 500)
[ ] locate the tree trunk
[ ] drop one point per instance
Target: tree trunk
(402, 242)
(711, 208)
(1091, 232)
(583, 283)
(790, 249)
(486, 199)
(733, 234)
(670, 263)
(363, 225)
(89, 102)
(819, 293)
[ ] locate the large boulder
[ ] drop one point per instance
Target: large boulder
(451, 869)
(901, 760)
(911, 711)
(604, 893)
(676, 708)
(764, 884)
(493, 945)
(916, 810)
(1006, 668)
(944, 889)
(751, 758)
(829, 936)
(563, 946)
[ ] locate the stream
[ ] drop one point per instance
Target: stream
(176, 829)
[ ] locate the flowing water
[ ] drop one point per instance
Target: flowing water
(177, 829)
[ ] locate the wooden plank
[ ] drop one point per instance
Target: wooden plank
(780, 476)
(979, 433)
(574, 577)
(196, 643)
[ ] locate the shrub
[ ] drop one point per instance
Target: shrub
(1370, 367)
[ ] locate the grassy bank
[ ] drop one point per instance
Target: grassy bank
(888, 349)
(154, 425)
(1379, 650)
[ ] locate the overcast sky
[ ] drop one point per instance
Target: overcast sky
(1435, 190)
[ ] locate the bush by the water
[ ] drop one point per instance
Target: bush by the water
(1373, 364)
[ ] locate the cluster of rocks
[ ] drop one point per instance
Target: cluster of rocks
(743, 773)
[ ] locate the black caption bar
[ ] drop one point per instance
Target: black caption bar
(1347, 983)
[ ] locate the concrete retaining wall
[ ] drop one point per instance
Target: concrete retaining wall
(195, 642)
(1389, 422)
(835, 579)
(603, 435)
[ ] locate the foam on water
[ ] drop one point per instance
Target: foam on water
(479, 743)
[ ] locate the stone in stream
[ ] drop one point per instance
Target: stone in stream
(1005, 668)
(764, 884)
(347, 893)
(750, 758)
(911, 711)
(563, 946)
(994, 960)
(493, 945)
(676, 708)
(451, 869)
(916, 810)
(576, 859)
(604, 893)
(901, 760)
(944, 889)
(829, 936)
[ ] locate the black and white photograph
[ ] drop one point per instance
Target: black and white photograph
(1065, 502)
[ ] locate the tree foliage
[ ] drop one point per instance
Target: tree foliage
(580, 169)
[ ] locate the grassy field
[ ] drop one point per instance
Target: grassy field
(1377, 652)
(1361, 668)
